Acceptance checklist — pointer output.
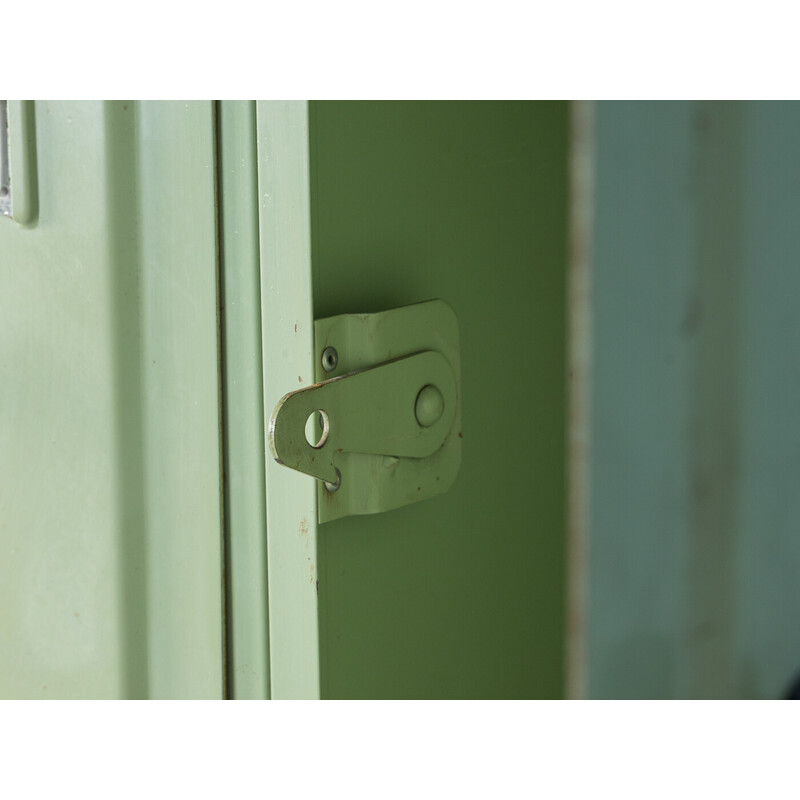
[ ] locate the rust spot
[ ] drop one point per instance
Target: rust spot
(303, 527)
(299, 378)
(419, 488)
(459, 435)
(339, 449)
(124, 108)
(295, 327)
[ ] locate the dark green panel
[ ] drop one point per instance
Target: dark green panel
(463, 595)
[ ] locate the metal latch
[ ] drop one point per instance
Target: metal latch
(382, 426)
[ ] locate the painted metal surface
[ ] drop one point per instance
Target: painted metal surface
(287, 353)
(693, 550)
(110, 545)
(243, 413)
(463, 595)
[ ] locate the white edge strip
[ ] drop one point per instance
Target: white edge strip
(287, 337)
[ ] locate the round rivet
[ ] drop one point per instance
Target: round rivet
(429, 406)
(330, 358)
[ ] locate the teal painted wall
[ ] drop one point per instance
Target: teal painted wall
(462, 595)
(693, 546)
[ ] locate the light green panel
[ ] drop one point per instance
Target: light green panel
(461, 595)
(110, 545)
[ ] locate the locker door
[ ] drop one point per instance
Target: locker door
(110, 531)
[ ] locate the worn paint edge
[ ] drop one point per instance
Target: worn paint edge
(579, 369)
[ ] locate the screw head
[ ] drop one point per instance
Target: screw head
(330, 358)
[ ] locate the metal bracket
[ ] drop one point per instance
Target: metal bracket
(382, 427)
(18, 196)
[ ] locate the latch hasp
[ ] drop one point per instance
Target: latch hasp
(376, 453)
